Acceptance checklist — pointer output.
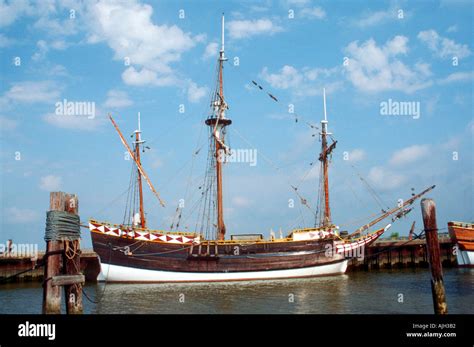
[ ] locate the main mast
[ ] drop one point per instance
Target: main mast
(217, 124)
(138, 142)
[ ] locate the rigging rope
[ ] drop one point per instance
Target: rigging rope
(372, 192)
(302, 199)
(275, 99)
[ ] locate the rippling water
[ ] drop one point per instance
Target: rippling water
(359, 292)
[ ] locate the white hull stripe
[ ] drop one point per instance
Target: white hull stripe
(465, 258)
(356, 244)
(115, 273)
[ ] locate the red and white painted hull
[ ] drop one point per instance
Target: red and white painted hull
(462, 234)
(146, 256)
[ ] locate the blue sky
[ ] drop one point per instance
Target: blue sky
(153, 56)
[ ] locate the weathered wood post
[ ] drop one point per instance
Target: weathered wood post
(72, 263)
(62, 255)
(428, 210)
(52, 294)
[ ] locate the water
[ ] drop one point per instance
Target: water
(359, 292)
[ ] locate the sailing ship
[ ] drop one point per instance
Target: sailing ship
(462, 234)
(132, 252)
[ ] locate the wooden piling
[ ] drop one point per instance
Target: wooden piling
(72, 263)
(53, 262)
(62, 258)
(428, 209)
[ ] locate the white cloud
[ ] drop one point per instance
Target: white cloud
(211, 50)
(156, 163)
(128, 29)
(256, 8)
(384, 179)
(74, 122)
(356, 155)
(452, 29)
(16, 215)
(117, 99)
(398, 45)
(304, 82)
(297, 2)
(373, 19)
(370, 19)
(313, 13)
(240, 201)
(9, 12)
(46, 12)
(50, 183)
(442, 46)
(7, 124)
(457, 77)
(196, 93)
(239, 29)
(56, 26)
(57, 70)
(5, 41)
(139, 78)
(373, 68)
(287, 77)
(146, 77)
(59, 44)
(33, 92)
(409, 155)
(42, 49)
(431, 104)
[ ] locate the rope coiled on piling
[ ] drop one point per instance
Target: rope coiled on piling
(62, 226)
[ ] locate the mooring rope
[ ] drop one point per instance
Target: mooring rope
(62, 226)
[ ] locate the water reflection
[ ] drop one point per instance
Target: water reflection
(316, 295)
(359, 292)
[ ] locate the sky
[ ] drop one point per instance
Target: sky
(159, 58)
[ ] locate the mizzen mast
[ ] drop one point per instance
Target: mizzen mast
(324, 158)
(217, 123)
(139, 142)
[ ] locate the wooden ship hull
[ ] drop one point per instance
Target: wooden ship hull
(152, 256)
(463, 235)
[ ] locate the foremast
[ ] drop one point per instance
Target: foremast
(141, 174)
(217, 123)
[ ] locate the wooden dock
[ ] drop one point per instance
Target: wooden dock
(402, 253)
(10, 266)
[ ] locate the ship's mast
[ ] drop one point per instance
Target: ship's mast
(218, 123)
(324, 158)
(138, 142)
(137, 162)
